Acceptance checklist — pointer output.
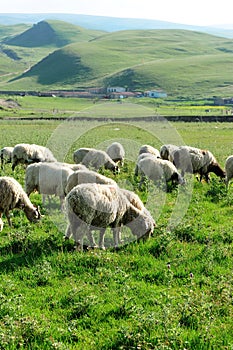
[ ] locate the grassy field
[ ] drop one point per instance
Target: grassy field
(172, 292)
(34, 107)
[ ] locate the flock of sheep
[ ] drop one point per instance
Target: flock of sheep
(93, 201)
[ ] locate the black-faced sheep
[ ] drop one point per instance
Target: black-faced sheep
(13, 196)
(197, 161)
(6, 155)
(96, 206)
(116, 152)
(160, 171)
(25, 153)
(86, 176)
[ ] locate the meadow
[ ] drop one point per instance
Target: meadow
(173, 291)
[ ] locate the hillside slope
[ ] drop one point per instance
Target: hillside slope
(52, 33)
(178, 61)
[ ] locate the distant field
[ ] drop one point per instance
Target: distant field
(57, 107)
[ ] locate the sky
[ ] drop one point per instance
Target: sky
(194, 12)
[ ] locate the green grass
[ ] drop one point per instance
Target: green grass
(171, 292)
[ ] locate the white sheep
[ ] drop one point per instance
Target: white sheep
(96, 159)
(149, 149)
(167, 151)
(160, 171)
(80, 153)
(25, 153)
(86, 176)
(229, 170)
(47, 179)
(197, 161)
(116, 152)
(96, 206)
(6, 155)
(142, 156)
(13, 196)
(74, 167)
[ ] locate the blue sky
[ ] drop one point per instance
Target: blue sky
(198, 12)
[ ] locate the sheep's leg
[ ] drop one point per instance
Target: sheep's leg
(8, 218)
(68, 233)
(91, 239)
(116, 236)
(79, 230)
(1, 222)
(101, 238)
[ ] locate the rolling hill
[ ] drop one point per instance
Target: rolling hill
(52, 33)
(111, 24)
(58, 55)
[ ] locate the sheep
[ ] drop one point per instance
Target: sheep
(97, 206)
(116, 152)
(74, 167)
(6, 155)
(13, 196)
(47, 179)
(197, 161)
(80, 153)
(166, 151)
(149, 149)
(96, 159)
(86, 176)
(229, 170)
(25, 153)
(158, 170)
(142, 156)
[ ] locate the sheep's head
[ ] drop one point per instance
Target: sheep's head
(217, 170)
(33, 214)
(142, 224)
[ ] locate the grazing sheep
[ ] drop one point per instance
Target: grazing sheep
(116, 152)
(197, 161)
(149, 149)
(167, 151)
(6, 155)
(86, 176)
(96, 159)
(80, 153)
(25, 153)
(229, 170)
(158, 170)
(74, 167)
(13, 196)
(142, 156)
(47, 179)
(96, 206)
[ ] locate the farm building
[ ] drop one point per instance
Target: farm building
(155, 94)
(115, 89)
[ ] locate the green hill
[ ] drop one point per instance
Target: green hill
(52, 33)
(12, 30)
(178, 61)
(181, 62)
